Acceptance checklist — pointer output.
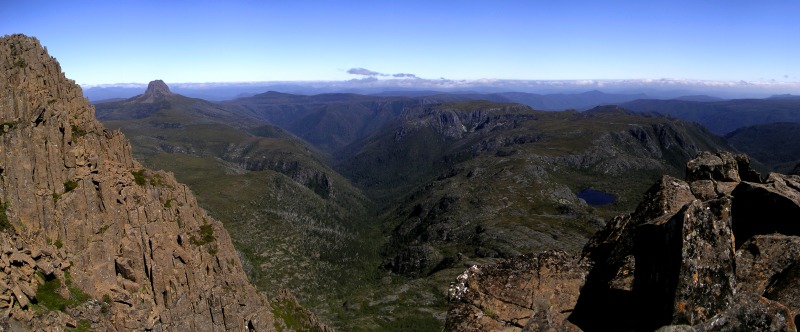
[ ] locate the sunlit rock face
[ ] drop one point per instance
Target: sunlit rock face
(131, 245)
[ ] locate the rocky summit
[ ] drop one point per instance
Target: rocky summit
(90, 238)
(155, 90)
(719, 251)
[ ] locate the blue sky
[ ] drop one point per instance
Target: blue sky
(228, 41)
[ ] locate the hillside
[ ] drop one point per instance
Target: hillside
(327, 121)
(479, 181)
(94, 240)
(723, 117)
(774, 144)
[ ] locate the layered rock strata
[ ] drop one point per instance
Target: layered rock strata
(75, 202)
(717, 252)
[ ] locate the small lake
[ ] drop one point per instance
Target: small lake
(596, 197)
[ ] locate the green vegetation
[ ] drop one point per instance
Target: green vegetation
(206, 235)
(290, 316)
(84, 325)
(139, 177)
(4, 222)
(48, 294)
(20, 63)
(70, 185)
(10, 125)
(105, 306)
(78, 131)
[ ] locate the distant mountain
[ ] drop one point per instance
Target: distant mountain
(701, 98)
(774, 144)
(577, 101)
(722, 117)
(543, 102)
(333, 121)
(328, 121)
(661, 88)
(784, 96)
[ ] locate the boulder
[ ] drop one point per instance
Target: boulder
(750, 312)
(525, 293)
(766, 208)
(764, 261)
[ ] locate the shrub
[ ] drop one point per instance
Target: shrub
(139, 177)
(206, 235)
(48, 296)
(78, 131)
(70, 185)
(4, 222)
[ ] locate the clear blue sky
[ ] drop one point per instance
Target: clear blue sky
(220, 41)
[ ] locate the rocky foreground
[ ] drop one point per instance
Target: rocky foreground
(89, 238)
(719, 251)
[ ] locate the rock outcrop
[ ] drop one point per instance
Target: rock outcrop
(719, 251)
(156, 90)
(90, 237)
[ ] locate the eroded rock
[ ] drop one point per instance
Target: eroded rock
(525, 293)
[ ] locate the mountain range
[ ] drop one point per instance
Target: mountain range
(361, 212)
(409, 188)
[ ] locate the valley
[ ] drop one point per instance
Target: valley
(366, 207)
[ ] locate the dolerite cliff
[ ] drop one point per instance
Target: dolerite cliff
(719, 251)
(90, 237)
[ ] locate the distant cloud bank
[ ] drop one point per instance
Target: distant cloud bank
(370, 73)
(370, 81)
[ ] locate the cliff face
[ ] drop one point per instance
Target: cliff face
(79, 211)
(717, 252)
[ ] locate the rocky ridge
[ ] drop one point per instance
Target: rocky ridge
(718, 251)
(79, 211)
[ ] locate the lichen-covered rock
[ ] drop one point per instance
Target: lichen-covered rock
(72, 194)
(525, 293)
(721, 167)
(685, 265)
(750, 312)
(767, 265)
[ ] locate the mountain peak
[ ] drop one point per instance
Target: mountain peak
(156, 90)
